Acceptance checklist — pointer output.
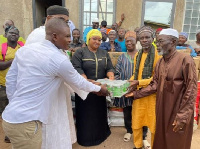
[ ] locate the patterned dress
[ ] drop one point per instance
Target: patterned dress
(124, 71)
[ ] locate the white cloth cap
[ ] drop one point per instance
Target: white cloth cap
(95, 20)
(170, 31)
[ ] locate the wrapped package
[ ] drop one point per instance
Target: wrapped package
(117, 88)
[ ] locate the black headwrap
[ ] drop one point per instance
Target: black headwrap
(56, 9)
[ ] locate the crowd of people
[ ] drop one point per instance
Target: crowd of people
(37, 79)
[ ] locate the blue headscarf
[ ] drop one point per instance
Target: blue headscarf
(184, 34)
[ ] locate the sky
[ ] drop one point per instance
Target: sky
(158, 12)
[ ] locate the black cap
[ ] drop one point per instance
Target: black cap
(56, 10)
(104, 23)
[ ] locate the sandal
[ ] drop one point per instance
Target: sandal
(127, 137)
(7, 140)
(146, 144)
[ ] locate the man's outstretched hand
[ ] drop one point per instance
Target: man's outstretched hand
(133, 85)
(129, 94)
(103, 91)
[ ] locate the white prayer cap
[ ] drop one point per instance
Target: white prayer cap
(170, 31)
(95, 20)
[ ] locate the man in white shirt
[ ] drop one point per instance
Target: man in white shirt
(35, 81)
(36, 36)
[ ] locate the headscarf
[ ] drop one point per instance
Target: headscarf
(91, 33)
(184, 34)
(130, 34)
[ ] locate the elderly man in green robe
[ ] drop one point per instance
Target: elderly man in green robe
(175, 82)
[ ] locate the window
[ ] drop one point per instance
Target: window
(158, 13)
(102, 9)
(192, 18)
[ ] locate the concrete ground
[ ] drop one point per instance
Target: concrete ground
(114, 141)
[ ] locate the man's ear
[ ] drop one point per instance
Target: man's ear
(152, 39)
(47, 18)
(174, 42)
(54, 36)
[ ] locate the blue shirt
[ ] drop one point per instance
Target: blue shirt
(86, 32)
(193, 53)
(122, 44)
(107, 46)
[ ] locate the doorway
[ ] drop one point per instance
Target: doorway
(40, 7)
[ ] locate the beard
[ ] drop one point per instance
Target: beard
(160, 53)
(163, 53)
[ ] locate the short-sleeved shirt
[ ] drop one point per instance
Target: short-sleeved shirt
(122, 44)
(75, 45)
(106, 46)
(10, 54)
